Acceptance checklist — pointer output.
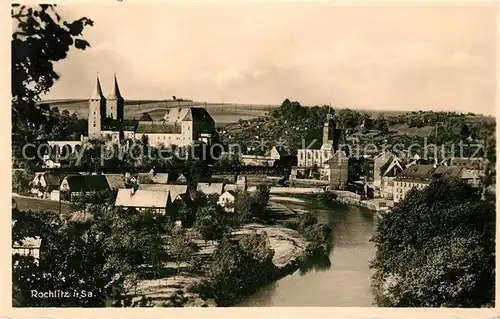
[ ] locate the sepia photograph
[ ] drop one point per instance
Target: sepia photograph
(253, 154)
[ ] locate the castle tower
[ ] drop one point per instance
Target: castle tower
(97, 111)
(115, 103)
(329, 129)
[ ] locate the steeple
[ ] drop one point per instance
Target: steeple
(115, 103)
(115, 93)
(97, 95)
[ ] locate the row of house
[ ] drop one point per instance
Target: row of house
(64, 186)
(170, 199)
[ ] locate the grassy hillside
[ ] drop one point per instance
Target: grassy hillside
(221, 112)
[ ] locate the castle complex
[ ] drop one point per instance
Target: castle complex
(179, 126)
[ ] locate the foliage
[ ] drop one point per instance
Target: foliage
(94, 255)
(21, 180)
(238, 268)
(260, 199)
(211, 222)
(40, 38)
(436, 248)
(180, 246)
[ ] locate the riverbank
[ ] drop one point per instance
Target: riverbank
(289, 247)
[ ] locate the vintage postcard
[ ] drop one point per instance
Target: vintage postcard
(255, 154)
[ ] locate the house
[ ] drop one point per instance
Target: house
(46, 183)
(472, 176)
(48, 163)
(28, 246)
(183, 210)
(227, 200)
(181, 179)
(336, 170)
(144, 199)
(147, 178)
(420, 176)
(174, 190)
(386, 174)
(210, 188)
(281, 157)
(73, 186)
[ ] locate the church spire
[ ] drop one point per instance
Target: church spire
(97, 95)
(115, 92)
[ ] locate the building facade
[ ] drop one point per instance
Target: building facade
(179, 126)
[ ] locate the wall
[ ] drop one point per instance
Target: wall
(401, 188)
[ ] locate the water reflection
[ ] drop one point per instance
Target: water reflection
(341, 279)
(317, 263)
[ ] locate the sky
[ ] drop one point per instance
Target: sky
(388, 57)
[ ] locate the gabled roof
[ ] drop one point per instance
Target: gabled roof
(52, 180)
(231, 192)
(174, 190)
(210, 188)
(126, 197)
(160, 178)
(281, 151)
(115, 181)
(196, 114)
(79, 183)
(426, 173)
(392, 162)
(181, 178)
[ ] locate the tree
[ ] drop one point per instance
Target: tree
(40, 38)
(180, 246)
(72, 259)
(21, 181)
(210, 222)
(436, 248)
(382, 124)
(238, 268)
(260, 198)
(348, 119)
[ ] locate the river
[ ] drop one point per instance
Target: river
(341, 281)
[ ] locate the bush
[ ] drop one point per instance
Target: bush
(238, 268)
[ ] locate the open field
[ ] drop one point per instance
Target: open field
(35, 204)
(413, 131)
(221, 112)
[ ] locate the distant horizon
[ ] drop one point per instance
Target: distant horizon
(200, 103)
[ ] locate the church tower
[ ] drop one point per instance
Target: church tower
(115, 103)
(329, 129)
(97, 111)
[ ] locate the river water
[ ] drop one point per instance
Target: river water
(341, 281)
